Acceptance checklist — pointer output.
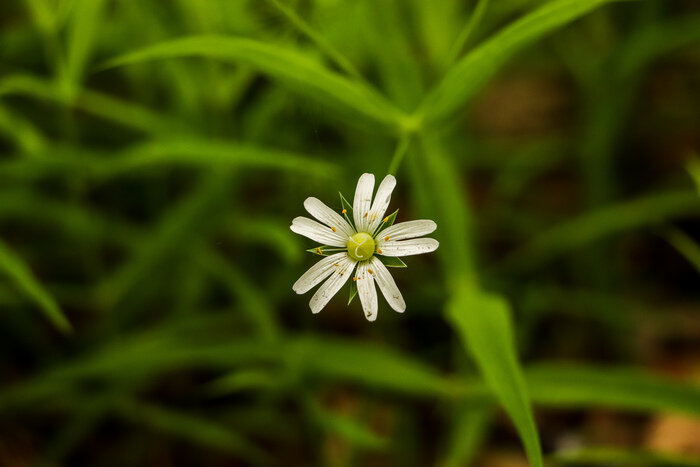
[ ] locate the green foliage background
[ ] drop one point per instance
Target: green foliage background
(154, 154)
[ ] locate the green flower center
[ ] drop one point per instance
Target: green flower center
(361, 246)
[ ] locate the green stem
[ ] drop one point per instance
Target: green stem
(466, 32)
(401, 150)
(320, 41)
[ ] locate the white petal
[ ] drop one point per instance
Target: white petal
(404, 230)
(367, 291)
(318, 232)
(317, 273)
(387, 285)
(363, 201)
(416, 246)
(381, 202)
(339, 277)
(332, 219)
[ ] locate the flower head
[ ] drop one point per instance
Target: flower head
(359, 243)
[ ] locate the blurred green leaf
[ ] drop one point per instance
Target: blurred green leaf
(470, 73)
(483, 323)
(612, 456)
(368, 364)
(591, 226)
(21, 131)
(655, 40)
(694, 170)
(467, 31)
(85, 19)
(347, 427)
(469, 432)
(320, 41)
(253, 302)
(267, 232)
(484, 326)
(685, 245)
(589, 386)
(193, 428)
(243, 380)
(98, 104)
(210, 153)
(19, 272)
(300, 71)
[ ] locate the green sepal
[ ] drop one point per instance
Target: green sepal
(325, 250)
(348, 207)
(353, 291)
(389, 221)
(392, 261)
(346, 204)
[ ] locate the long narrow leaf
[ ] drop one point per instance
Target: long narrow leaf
(614, 456)
(484, 326)
(589, 227)
(16, 269)
(469, 74)
(297, 70)
(589, 386)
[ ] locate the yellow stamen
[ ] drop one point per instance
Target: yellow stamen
(354, 279)
(333, 229)
(386, 219)
(386, 239)
(319, 250)
(379, 250)
(345, 211)
(336, 265)
(366, 214)
(370, 271)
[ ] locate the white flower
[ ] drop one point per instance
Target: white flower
(362, 245)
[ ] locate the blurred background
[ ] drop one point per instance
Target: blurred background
(153, 154)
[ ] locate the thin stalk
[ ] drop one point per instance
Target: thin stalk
(401, 150)
(320, 41)
(466, 32)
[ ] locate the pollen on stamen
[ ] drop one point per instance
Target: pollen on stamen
(345, 211)
(386, 239)
(319, 250)
(370, 271)
(354, 279)
(366, 214)
(333, 229)
(379, 250)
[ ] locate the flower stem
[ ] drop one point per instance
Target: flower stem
(401, 150)
(466, 32)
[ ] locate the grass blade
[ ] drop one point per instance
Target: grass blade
(196, 429)
(594, 225)
(367, 364)
(302, 73)
(686, 246)
(82, 29)
(470, 430)
(612, 456)
(482, 323)
(98, 104)
(212, 153)
(19, 272)
(619, 388)
(484, 327)
(470, 73)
